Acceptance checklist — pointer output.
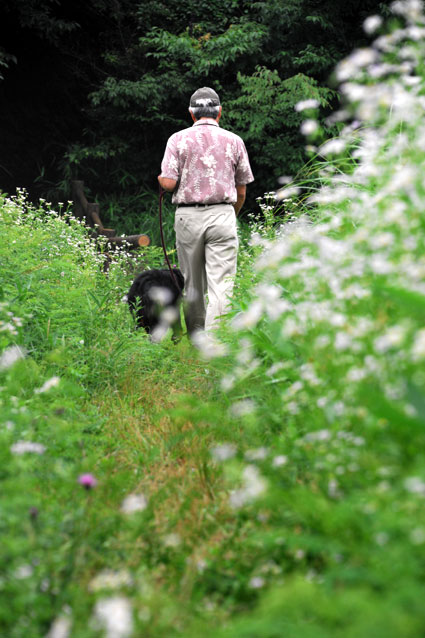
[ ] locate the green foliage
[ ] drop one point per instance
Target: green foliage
(275, 150)
(66, 337)
(284, 494)
(42, 17)
(302, 608)
(5, 60)
(324, 381)
(138, 63)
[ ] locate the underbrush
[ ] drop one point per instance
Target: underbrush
(82, 426)
(324, 376)
(275, 490)
(131, 214)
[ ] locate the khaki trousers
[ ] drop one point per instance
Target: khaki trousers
(207, 248)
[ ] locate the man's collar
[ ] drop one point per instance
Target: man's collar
(208, 120)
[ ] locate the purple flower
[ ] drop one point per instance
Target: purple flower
(87, 480)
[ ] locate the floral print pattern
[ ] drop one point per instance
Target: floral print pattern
(207, 162)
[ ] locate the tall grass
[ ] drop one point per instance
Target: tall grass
(139, 213)
(325, 372)
(81, 397)
(274, 491)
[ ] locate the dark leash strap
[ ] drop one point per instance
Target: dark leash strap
(172, 273)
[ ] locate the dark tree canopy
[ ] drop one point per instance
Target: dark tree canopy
(93, 89)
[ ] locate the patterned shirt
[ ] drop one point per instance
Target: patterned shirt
(207, 162)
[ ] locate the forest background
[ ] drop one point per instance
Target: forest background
(92, 90)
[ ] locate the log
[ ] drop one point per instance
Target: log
(131, 241)
(79, 199)
(90, 213)
(93, 214)
(107, 232)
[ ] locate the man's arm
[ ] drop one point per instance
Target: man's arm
(241, 195)
(167, 184)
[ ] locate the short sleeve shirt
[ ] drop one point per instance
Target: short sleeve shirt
(208, 163)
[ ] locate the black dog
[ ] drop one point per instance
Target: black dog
(154, 301)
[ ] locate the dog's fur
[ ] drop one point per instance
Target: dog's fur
(143, 300)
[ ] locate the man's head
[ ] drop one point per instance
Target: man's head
(205, 103)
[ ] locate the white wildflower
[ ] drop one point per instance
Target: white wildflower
(415, 485)
(252, 487)
(410, 410)
(134, 503)
(417, 536)
(114, 615)
(308, 127)
(223, 452)
(381, 240)
(333, 489)
(208, 346)
(246, 352)
(380, 266)
(159, 333)
(292, 407)
(291, 327)
(169, 315)
(294, 388)
(343, 341)
(372, 24)
(278, 308)
(160, 295)
(47, 385)
(393, 338)
(60, 628)
(258, 454)
(275, 368)
(332, 147)
(10, 356)
(322, 341)
(23, 572)
(418, 347)
(381, 538)
(268, 293)
(227, 382)
(110, 579)
(280, 460)
(306, 104)
(356, 374)
(318, 435)
(172, 540)
(201, 566)
(243, 407)
(256, 582)
(285, 179)
(23, 447)
(411, 9)
(287, 192)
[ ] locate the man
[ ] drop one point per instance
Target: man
(207, 170)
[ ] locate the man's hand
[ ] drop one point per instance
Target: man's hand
(241, 193)
(167, 184)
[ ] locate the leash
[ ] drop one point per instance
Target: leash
(173, 276)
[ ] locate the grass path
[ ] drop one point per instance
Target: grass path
(153, 439)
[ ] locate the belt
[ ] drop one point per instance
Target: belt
(197, 205)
